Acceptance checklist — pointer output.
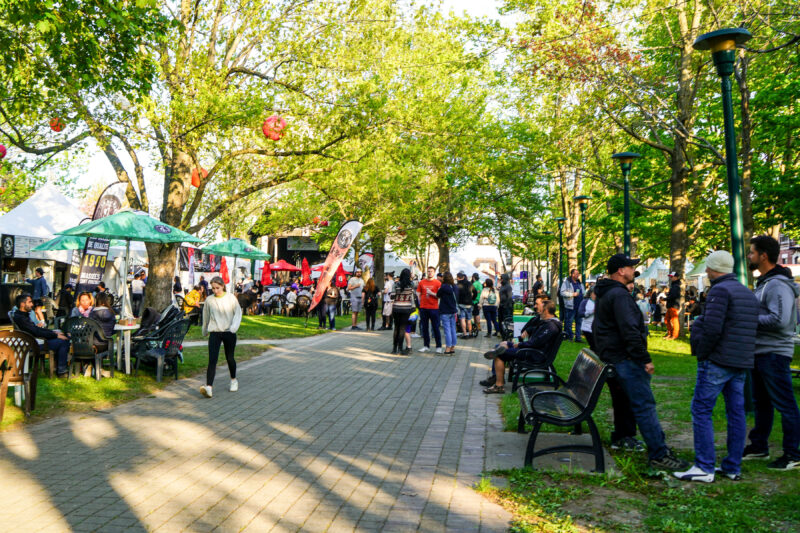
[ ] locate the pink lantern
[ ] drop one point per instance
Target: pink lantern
(273, 128)
(3, 151)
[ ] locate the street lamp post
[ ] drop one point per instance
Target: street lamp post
(560, 221)
(583, 202)
(625, 163)
(547, 255)
(722, 44)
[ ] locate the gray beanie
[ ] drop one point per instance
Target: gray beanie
(720, 261)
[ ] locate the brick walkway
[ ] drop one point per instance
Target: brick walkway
(328, 433)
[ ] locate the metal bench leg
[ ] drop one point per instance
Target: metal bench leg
(159, 369)
(98, 367)
(599, 458)
(577, 430)
(532, 443)
(521, 423)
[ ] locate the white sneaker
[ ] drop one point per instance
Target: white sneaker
(418, 336)
(439, 350)
(695, 474)
(205, 390)
(234, 385)
(424, 349)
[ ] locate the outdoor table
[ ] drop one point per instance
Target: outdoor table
(126, 334)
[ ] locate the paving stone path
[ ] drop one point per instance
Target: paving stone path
(327, 433)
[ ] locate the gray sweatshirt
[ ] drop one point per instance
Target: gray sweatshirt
(777, 317)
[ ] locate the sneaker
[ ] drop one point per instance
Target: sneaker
(488, 382)
(669, 462)
(234, 385)
(439, 350)
(416, 336)
(628, 444)
(205, 390)
(751, 452)
(354, 327)
(784, 462)
(729, 475)
(491, 354)
(405, 351)
(695, 474)
(424, 349)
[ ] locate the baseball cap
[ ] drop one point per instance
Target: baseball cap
(673, 274)
(618, 261)
(461, 274)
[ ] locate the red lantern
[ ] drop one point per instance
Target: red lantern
(315, 220)
(273, 128)
(196, 176)
(324, 224)
(56, 124)
(3, 151)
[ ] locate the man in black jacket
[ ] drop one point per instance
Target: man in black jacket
(621, 340)
(724, 341)
(466, 293)
(58, 342)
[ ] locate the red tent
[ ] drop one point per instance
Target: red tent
(283, 266)
(226, 278)
(341, 277)
(305, 280)
(266, 274)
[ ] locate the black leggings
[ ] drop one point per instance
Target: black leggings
(369, 312)
(400, 323)
(215, 338)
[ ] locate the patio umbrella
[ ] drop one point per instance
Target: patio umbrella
(130, 226)
(236, 248)
(64, 242)
(305, 279)
(283, 266)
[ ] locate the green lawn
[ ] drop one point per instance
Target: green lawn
(274, 327)
(635, 501)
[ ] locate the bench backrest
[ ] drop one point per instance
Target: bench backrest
(587, 377)
(82, 333)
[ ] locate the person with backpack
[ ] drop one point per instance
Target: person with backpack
(331, 305)
(488, 302)
(477, 288)
(465, 298)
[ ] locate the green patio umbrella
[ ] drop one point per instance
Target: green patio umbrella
(65, 242)
(130, 226)
(235, 248)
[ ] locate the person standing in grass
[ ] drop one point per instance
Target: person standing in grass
(723, 340)
(222, 316)
(776, 293)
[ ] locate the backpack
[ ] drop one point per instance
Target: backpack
(582, 308)
(492, 298)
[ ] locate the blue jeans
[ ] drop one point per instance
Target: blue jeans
(330, 310)
(449, 324)
(433, 315)
(772, 389)
(713, 379)
(490, 314)
(61, 349)
(636, 383)
(569, 317)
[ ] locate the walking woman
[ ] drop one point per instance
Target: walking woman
(489, 299)
(222, 316)
(448, 310)
(402, 307)
(370, 299)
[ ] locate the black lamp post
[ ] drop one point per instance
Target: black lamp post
(583, 202)
(722, 44)
(560, 221)
(625, 163)
(547, 255)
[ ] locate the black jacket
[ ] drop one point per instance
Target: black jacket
(506, 296)
(105, 317)
(542, 334)
(726, 332)
(466, 292)
(23, 321)
(618, 326)
(674, 295)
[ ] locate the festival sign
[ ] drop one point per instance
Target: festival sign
(93, 264)
(347, 234)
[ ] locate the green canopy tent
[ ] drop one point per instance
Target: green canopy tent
(235, 248)
(130, 226)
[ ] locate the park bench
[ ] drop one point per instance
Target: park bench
(530, 360)
(566, 404)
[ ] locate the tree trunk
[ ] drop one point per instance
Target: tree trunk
(378, 252)
(442, 241)
(161, 257)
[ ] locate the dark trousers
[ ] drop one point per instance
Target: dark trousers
(590, 340)
(431, 315)
(136, 303)
(215, 338)
(570, 317)
(772, 390)
(634, 384)
(400, 323)
(321, 314)
(369, 313)
(61, 348)
(490, 314)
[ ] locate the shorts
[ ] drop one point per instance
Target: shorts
(465, 312)
(476, 310)
(355, 305)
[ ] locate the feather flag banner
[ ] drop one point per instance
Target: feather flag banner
(347, 234)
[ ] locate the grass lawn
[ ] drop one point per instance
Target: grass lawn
(57, 396)
(638, 501)
(274, 327)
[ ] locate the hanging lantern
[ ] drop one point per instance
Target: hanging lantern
(315, 220)
(196, 176)
(273, 128)
(3, 151)
(56, 124)
(324, 223)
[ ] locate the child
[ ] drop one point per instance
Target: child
(644, 307)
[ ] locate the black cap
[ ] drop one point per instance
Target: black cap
(461, 274)
(619, 261)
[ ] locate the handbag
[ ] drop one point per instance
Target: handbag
(387, 308)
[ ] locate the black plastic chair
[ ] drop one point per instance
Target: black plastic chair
(26, 354)
(46, 353)
(168, 350)
(85, 334)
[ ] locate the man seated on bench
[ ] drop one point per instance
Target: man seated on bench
(58, 342)
(547, 330)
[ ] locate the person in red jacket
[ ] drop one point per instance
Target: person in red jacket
(429, 310)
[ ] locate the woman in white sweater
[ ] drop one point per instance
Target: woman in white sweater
(222, 316)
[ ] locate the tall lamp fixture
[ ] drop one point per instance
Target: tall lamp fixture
(625, 163)
(560, 221)
(547, 255)
(722, 44)
(583, 202)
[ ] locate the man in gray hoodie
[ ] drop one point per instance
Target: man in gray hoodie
(772, 380)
